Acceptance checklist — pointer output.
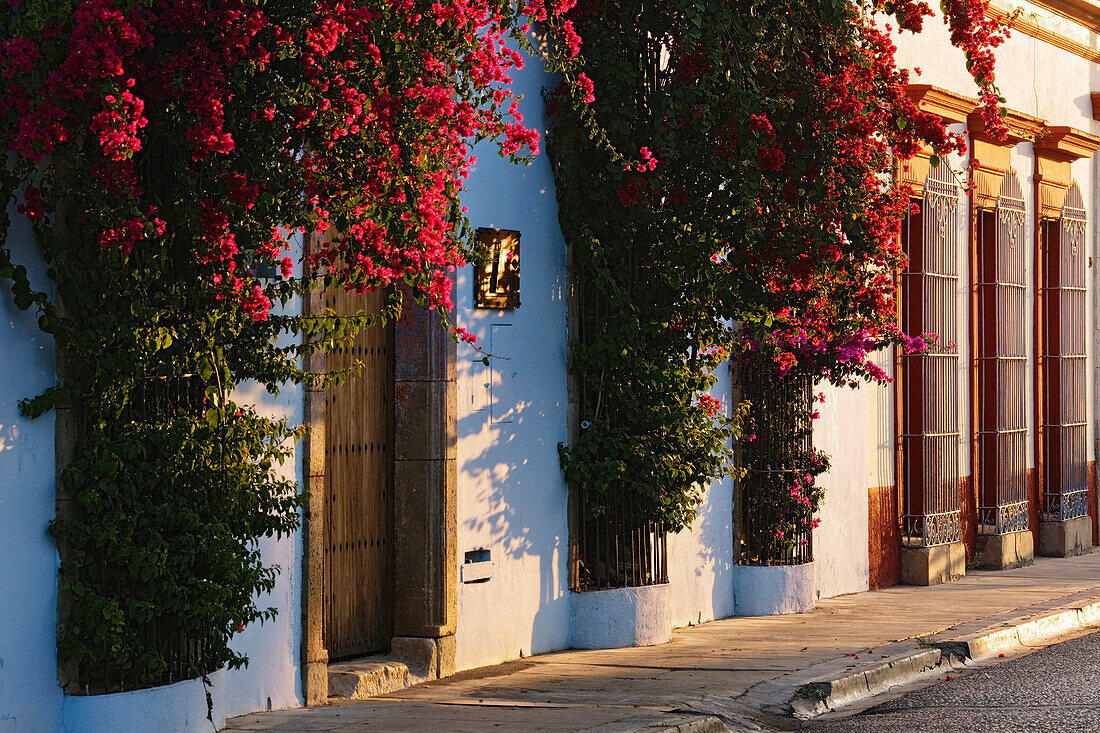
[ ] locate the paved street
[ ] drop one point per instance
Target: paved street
(1055, 689)
(739, 669)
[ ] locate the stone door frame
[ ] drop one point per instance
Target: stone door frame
(425, 518)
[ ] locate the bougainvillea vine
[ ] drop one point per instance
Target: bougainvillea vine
(171, 155)
(767, 229)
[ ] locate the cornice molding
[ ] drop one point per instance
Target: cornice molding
(1065, 143)
(994, 157)
(1085, 13)
(950, 106)
(1021, 126)
(1029, 27)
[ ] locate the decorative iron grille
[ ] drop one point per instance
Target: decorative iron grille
(615, 545)
(619, 548)
(930, 418)
(154, 401)
(1002, 364)
(1065, 454)
(162, 398)
(781, 451)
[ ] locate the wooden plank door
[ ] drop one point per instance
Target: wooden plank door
(359, 489)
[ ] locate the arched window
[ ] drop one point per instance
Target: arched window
(1063, 399)
(930, 384)
(1001, 346)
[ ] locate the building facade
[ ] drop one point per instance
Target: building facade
(440, 531)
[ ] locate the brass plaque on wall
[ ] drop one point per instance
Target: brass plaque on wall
(497, 281)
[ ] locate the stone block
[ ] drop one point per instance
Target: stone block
(608, 619)
(423, 349)
(425, 547)
(419, 653)
(1006, 551)
(934, 564)
(427, 657)
(447, 651)
(314, 444)
(315, 682)
(362, 680)
(760, 590)
(425, 415)
(1066, 538)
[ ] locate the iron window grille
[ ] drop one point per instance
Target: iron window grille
(930, 436)
(782, 450)
(1064, 399)
(153, 401)
(619, 548)
(1002, 363)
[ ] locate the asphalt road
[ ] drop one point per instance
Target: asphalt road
(1055, 689)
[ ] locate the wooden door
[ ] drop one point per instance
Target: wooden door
(359, 489)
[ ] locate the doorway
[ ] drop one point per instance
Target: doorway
(358, 485)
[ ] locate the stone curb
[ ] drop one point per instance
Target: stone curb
(822, 696)
(708, 724)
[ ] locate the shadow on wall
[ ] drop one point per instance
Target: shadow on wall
(714, 528)
(706, 549)
(497, 481)
(29, 693)
(519, 510)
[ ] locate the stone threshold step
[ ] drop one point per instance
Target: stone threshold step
(410, 661)
(360, 679)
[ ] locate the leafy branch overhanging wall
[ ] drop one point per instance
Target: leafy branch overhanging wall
(166, 151)
(760, 228)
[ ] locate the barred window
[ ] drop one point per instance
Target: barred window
(930, 388)
(779, 455)
(1063, 399)
(1001, 397)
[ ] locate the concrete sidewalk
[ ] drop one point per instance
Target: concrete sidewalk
(741, 671)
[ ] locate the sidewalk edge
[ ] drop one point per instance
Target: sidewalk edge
(822, 696)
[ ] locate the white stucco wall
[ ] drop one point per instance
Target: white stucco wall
(1036, 78)
(30, 698)
(512, 497)
(840, 541)
(701, 560)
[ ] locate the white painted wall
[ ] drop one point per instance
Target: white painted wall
(1036, 78)
(701, 560)
(30, 699)
(840, 541)
(512, 497)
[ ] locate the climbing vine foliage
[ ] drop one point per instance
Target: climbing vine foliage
(169, 154)
(761, 224)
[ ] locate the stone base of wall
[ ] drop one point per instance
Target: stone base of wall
(607, 619)
(773, 589)
(933, 565)
(1005, 551)
(1066, 538)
